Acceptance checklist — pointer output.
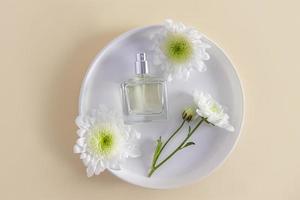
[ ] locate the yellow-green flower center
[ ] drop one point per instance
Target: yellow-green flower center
(102, 141)
(215, 108)
(178, 48)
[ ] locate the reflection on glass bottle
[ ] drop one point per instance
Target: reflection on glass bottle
(144, 96)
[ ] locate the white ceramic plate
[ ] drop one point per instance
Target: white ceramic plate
(115, 63)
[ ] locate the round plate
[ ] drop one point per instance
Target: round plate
(115, 64)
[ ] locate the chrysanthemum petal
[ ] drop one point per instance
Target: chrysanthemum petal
(134, 152)
(90, 170)
(199, 65)
(81, 132)
(81, 141)
(77, 149)
(100, 168)
(83, 156)
(229, 128)
(82, 122)
(86, 160)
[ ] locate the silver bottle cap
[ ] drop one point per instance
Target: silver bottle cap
(141, 64)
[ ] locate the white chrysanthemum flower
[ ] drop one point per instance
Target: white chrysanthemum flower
(179, 49)
(211, 110)
(104, 141)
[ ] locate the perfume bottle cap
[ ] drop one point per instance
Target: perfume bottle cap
(141, 64)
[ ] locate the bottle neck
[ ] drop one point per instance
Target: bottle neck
(141, 64)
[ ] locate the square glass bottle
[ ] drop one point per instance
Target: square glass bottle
(144, 96)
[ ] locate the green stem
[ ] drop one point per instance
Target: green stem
(164, 145)
(154, 168)
(151, 171)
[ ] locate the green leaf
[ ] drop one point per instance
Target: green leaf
(157, 150)
(188, 144)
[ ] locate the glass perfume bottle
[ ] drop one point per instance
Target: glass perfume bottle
(144, 96)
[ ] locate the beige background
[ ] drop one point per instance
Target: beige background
(46, 47)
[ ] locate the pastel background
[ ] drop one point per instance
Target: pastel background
(46, 47)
